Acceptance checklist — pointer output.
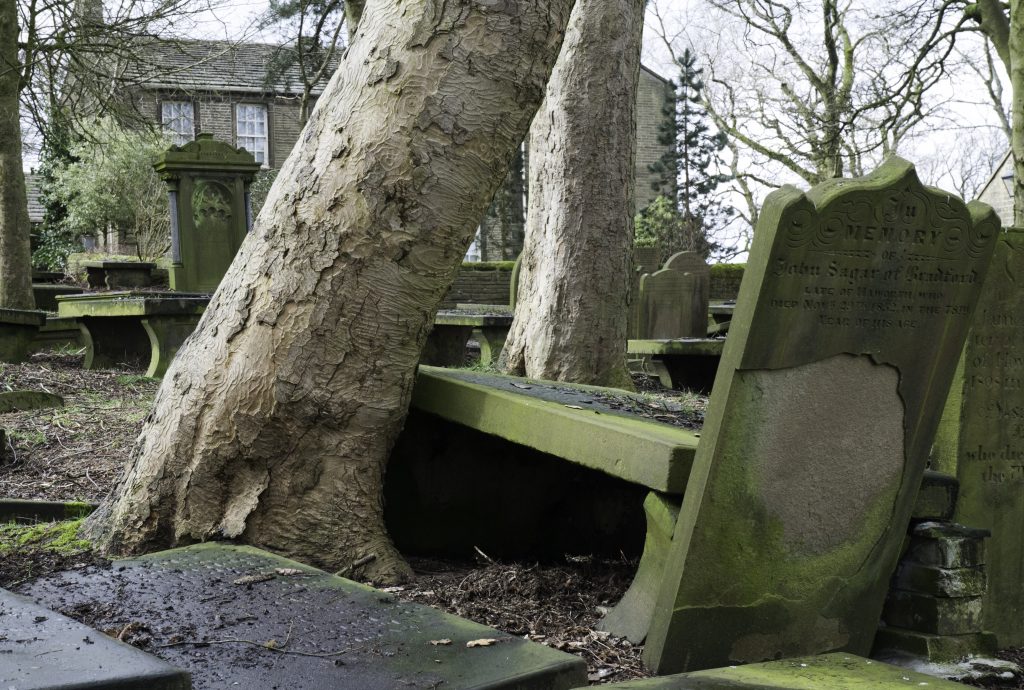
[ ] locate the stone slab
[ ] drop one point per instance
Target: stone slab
(946, 552)
(190, 594)
(941, 648)
(854, 307)
(46, 294)
(23, 317)
(42, 649)
(21, 401)
(832, 671)
(982, 439)
(131, 303)
(641, 451)
(690, 347)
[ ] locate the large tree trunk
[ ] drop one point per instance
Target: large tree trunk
(15, 252)
(274, 423)
(570, 320)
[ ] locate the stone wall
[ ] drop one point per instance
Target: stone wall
(484, 283)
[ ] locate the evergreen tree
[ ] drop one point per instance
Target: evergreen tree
(688, 174)
(56, 239)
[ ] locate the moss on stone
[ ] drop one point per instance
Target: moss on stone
(60, 537)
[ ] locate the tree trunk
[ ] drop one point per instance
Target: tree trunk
(570, 320)
(15, 252)
(353, 13)
(274, 423)
(1016, 55)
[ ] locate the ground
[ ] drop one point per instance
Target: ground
(76, 453)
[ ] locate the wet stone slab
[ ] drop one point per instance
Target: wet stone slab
(41, 649)
(238, 616)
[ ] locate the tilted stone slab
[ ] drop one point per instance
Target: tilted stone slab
(649, 453)
(831, 671)
(43, 649)
(338, 633)
(981, 439)
(21, 401)
(850, 320)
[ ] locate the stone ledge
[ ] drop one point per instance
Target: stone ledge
(648, 453)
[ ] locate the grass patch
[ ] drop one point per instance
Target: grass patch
(58, 537)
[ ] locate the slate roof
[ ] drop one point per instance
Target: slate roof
(218, 66)
(35, 208)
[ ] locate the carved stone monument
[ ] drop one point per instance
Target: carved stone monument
(210, 212)
(850, 321)
(981, 440)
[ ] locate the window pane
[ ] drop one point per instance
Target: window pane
(178, 119)
(251, 130)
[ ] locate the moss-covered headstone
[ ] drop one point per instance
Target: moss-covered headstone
(982, 437)
(853, 311)
(210, 213)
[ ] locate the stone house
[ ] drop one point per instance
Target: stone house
(998, 190)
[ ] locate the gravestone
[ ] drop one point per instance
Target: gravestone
(853, 311)
(981, 440)
(645, 261)
(667, 306)
(693, 263)
(208, 184)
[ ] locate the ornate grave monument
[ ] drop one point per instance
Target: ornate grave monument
(208, 182)
(851, 318)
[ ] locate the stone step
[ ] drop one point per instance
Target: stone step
(837, 671)
(40, 649)
(236, 616)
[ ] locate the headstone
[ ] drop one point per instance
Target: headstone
(982, 437)
(22, 401)
(208, 182)
(852, 314)
(668, 306)
(694, 264)
(645, 261)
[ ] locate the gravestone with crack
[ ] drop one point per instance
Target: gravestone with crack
(853, 311)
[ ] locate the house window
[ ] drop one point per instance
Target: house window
(178, 118)
(251, 131)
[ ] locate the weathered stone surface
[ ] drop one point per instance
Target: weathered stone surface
(941, 582)
(982, 439)
(853, 310)
(933, 647)
(645, 452)
(694, 264)
(20, 401)
(937, 498)
(952, 552)
(682, 364)
(18, 328)
(43, 649)
(936, 615)
(832, 671)
(382, 643)
(667, 306)
(46, 294)
(208, 182)
(118, 275)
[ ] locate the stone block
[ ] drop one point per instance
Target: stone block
(18, 329)
(940, 582)
(940, 648)
(119, 275)
(936, 615)
(41, 649)
(937, 498)
(829, 671)
(949, 546)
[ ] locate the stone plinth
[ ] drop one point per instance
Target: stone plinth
(46, 294)
(118, 275)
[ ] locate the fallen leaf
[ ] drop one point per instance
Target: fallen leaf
(287, 572)
(444, 642)
(482, 642)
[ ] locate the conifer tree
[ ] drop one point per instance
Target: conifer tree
(688, 172)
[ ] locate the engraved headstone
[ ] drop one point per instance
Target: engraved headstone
(208, 183)
(853, 311)
(981, 440)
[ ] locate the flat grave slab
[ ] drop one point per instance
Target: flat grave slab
(681, 363)
(570, 422)
(42, 649)
(446, 345)
(236, 616)
(833, 671)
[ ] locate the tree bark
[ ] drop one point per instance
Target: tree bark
(570, 320)
(274, 423)
(15, 252)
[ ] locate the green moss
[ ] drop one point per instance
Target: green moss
(34, 438)
(488, 265)
(61, 537)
